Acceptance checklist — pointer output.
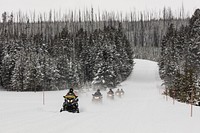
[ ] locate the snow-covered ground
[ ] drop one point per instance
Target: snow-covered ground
(143, 109)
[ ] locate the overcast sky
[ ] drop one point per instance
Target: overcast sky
(109, 5)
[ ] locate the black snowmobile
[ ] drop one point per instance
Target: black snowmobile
(70, 104)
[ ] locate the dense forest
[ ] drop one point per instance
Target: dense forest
(57, 50)
(179, 63)
(34, 57)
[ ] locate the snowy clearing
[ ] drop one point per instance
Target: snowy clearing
(143, 109)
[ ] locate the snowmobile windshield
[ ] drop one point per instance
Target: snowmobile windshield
(69, 97)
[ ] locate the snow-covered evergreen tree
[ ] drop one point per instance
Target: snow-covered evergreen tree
(194, 42)
(180, 60)
(31, 72)
(194, 53)
(18, 74)
(113, 59)
(8, 62)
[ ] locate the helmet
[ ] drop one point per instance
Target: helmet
(71, 90)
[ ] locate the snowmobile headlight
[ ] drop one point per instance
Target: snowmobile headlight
(69, 101)
(96, 97)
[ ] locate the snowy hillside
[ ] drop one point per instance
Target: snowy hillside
(142, 110)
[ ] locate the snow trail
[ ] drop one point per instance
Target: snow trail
(141, 110)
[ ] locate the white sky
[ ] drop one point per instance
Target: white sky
(109, 5)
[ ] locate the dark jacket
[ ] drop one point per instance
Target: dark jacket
(97, 93)
(110, 92)
(71, 92)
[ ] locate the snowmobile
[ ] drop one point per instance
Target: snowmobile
(97, 98)
(119, 93)
(70, 104)
(110, 95)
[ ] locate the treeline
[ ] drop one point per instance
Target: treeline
(144, 30)
(55, 50)
(179, 64)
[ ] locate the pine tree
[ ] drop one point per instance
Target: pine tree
(31, 80)
(179, 63)
(8, 62)
(113, 59)
(18, 74)
(194, 41)
(193, 56)
(168, 61)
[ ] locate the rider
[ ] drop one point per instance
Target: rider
(110, 92)
(71, 92)
(118, 91)
(98, 93)
(122, 91)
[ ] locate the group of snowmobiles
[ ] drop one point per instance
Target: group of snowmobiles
(70, 103)
(97, 96)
